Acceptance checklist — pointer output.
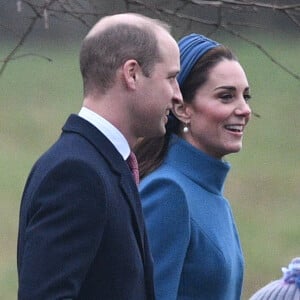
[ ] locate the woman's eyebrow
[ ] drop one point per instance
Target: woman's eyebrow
(225, 87)
(231, 88)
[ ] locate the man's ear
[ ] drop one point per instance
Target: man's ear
(131, 70)
(181, 111)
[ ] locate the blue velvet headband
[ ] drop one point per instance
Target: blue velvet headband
(192, 47)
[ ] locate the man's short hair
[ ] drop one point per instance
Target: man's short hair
(104, 52)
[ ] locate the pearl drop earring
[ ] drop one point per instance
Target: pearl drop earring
(185, 128)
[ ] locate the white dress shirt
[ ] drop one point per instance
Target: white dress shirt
(109, 130)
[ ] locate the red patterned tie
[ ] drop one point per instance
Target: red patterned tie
(134, 167)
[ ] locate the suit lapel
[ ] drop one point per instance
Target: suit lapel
(80, 126)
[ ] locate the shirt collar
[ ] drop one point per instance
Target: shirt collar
(109, 130)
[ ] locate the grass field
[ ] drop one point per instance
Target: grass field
(36, 97)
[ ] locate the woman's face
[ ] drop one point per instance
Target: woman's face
(220, 111)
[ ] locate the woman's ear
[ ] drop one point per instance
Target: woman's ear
(181, 111)
(130, 71)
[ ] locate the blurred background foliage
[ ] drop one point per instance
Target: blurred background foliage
(36, 96)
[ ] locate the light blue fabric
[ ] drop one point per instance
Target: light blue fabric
(191, 230)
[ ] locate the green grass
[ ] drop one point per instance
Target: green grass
(263, 185)
(37, 96)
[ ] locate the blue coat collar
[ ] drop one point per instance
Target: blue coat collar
(197, 165)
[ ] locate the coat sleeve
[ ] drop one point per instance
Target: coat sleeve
(167, 221)
(65, 222)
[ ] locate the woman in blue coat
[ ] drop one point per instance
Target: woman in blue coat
(192, 232)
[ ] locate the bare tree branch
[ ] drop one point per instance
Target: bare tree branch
(39, 11)
(30, 54)
(292, 17)
(264, 51)
(83, 10)
(37, 15)
(251, 4)
(219, 24)
(10, 56)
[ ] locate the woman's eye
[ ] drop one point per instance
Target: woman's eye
(247, 97)
(226, 97)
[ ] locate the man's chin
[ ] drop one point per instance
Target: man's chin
(159, 133)
(162, 131)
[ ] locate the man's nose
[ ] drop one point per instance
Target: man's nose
(177, 92)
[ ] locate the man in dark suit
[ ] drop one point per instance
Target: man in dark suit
(81, 229)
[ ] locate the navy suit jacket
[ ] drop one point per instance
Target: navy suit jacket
(81, 228)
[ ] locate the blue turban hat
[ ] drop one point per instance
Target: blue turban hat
(192, 47)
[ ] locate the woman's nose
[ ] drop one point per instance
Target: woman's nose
(243, 109)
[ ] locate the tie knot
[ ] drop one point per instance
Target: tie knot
(134, 167)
